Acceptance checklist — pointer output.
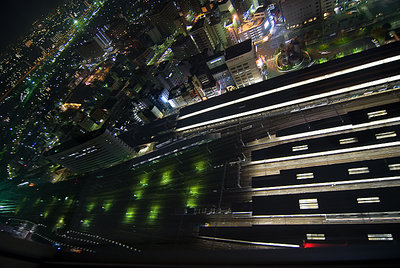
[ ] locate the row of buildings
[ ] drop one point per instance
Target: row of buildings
(213, 52)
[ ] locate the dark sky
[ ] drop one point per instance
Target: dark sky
(17, 16)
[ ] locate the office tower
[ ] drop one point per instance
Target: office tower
(220, 72)
(203, 36)
(168, 74)
(92, 151)
(241, 62)
(255, 29)
(184, 47)
(219, 31)
(298, 13)
(90, 50)
(164, 17)
(102, 38)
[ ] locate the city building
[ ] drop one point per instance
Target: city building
(298, 13)
(92, 151)
(226, 5)
(241, 61)
(154, 34)
(256, 29)
(327, 7)
(231, 24)
(244, 5)
(219, 71)
(168, 75)
(184, 47)
(181, 25)
(164, 18)
(102, 38)
(261, 12)
(90, 50)
(203, 36)
(219, 31)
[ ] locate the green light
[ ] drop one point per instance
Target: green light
(76, 22)
(68, 202)
(86, 223)
(138, 194)
(129, 215)
(37, 201)
(193, 196)
(340, 55)
(153, 214)
(60, 223)
(144, 182)
(46, 214)
(200, 166)
(194, 190)
(166, 177)
(322, 60)
(90, 206)
(106, 205)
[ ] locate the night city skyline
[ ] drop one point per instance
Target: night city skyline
(134, 127)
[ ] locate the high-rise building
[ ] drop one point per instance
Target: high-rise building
(164, 18)
(241, 61)
(168, 74)
(244, 5)
(102, 39)
(219, 31)
(255, 29)
(154, 34)
(184, 47)
(90, 50)
(203, 36)
(95, 150)
(327, 7)
(220, 72)
(298, 13)
(226, 5)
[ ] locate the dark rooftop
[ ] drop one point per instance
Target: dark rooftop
(76, 141)
(198, 24)
(221, 68)
(81, 94)
(238, 49)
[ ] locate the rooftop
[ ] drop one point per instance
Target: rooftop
(251, 24)
(198, 24)
(77, 141)
(239, 49)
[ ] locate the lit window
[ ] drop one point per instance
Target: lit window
(354, 171)
(304, 176)
(348, 141)
(367, 200)
(373, 237)
(308, 203)
(376, 114)
(315, 236)
(300, 148)
(394, 167)
(385, 135)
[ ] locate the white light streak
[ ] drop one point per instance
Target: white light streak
(367, 200)
(250, 242)
(297, 84)
(290, 103)
(326, 153)
(323, 184)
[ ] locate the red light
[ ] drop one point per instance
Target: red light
(322, 245)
